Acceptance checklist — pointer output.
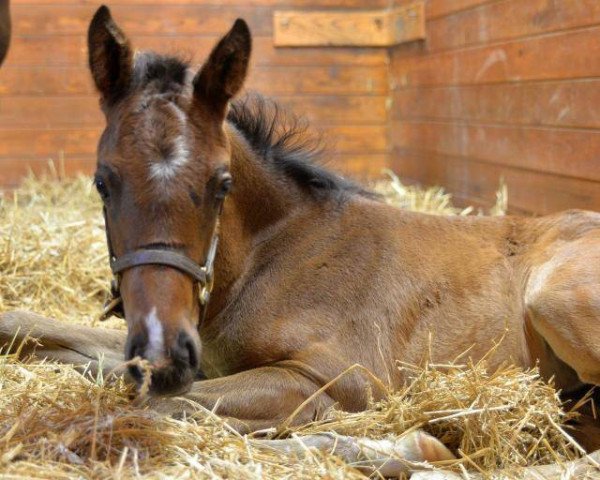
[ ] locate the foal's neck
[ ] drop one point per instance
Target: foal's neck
(258, 201)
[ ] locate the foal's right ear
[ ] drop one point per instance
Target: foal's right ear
(110, 56)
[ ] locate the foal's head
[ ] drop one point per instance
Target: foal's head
(162, 174)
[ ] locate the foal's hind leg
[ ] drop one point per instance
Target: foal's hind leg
(563, 307)
(563, 304)
(66, 343)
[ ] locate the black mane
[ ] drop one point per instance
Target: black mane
(282, 140)
(277, 137)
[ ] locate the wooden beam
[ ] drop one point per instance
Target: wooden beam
(368, 28)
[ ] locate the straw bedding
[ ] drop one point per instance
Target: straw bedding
(57, 423)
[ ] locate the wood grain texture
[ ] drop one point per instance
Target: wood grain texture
(475, 183)
(70, 50)
(504, 20)
(565, 103)
(514, 61)
(503, 87)
(438, 8)
(277, 80)
(49, 109)
(369, 28)
(563, 152)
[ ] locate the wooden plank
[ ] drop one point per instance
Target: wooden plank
(319, 80)
(363, 167)
(374, 28)
(223, 3)
(13, 170)
(48, 143)
(163, 19)
(439, 8)
(43, 81)
(522, 60)
(564, 103)
(82, 111)
(371, 139)
(50, 112)
(501, 21)
(476, 183)
(355, 110)
(71, 50)
(573, 153)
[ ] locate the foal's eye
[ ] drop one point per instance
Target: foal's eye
(225, 186)
(102, 188)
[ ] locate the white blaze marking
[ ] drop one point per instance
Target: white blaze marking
(166, 168)
(155, 349)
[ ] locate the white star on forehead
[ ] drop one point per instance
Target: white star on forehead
(165, 169)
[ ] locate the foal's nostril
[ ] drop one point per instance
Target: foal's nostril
(193, 356)
(187, 350)
(134, 349)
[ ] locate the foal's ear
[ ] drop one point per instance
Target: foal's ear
(110, 55)
(223, 74)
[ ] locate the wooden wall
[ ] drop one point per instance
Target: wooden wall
(500, 88)
(48, 108)
(503, 88)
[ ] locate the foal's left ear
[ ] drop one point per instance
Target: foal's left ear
(223, 74)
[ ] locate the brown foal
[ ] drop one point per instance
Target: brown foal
(312, 274)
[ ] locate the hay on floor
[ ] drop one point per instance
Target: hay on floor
(57, 423)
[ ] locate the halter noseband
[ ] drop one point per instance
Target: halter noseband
(203, 275)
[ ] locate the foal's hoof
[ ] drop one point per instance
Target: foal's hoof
(430, 448)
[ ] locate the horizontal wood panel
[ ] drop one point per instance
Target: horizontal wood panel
(438, 8)
(333, 80)
(564, 103)
(48, 106)
(48, 143)
(13, 170)
(508, 19)
(228, 3)
(356, 110)
(564, 152)
(139, 19)
(565, 55)
(55, 112)
(71, 50)
(476, 183)
(349, 27)
(359, 166)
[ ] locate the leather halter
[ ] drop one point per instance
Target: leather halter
(203, 275)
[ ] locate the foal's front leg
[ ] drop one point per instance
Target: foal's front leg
(252, 400)
(29, 333)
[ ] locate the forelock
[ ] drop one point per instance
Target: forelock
(159, 73)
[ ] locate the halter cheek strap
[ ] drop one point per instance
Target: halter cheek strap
(203, 275)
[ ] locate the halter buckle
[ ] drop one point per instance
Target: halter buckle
(206, 289)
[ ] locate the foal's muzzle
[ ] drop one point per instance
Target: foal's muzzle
(172, 371)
